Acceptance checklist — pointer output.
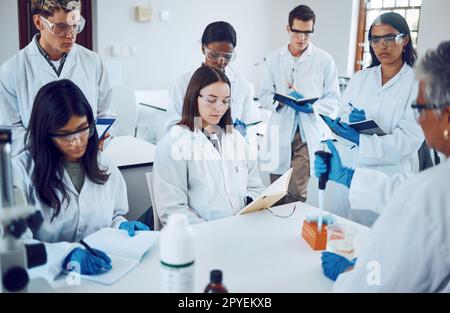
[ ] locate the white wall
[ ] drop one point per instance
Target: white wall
(434, 24)
(335, 20)
(9, 25)
(167, 49)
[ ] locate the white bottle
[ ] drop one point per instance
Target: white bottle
(177, 255)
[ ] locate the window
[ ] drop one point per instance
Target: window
(370, 10)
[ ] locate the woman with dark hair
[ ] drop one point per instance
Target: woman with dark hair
(384, 93)
(219, 41)
(409, 246)
(63, 175)
(203, 166)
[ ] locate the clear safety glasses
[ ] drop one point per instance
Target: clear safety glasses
(70, 138)
(216, 102)
(420, 108)
(389, 40)
(217, 56)
(62, 30)
(302, 33)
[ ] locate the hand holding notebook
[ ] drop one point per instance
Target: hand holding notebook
(125, 252)
(271, 195)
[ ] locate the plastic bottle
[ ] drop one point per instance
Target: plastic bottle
(216, 286)
(177, 255)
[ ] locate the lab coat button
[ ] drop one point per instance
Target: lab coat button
(82, 229)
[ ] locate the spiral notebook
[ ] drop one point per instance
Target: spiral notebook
(125, 252)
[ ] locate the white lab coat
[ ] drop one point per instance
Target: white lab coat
(94, 208)
(371, 189)
(315, 76)
(22, 76)
(390, 107)
(242, 93)
(192, 177)
(409, 246)
(395, 153)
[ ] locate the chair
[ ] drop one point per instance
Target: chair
(151, 111)
(156, 221)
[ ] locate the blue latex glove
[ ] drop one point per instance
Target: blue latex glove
(89, 264)
(333, 265)
(307, 108)
(131, 227)
(326, 220)
(357, 116)
(342, 129)
(241, 127)
(337, 172)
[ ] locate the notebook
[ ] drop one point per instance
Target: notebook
(271, 195)
(367, 127)
(125, 252)
(283, 99)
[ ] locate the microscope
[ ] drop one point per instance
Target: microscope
(15, 218)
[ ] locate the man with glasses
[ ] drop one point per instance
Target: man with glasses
(301, 70)
(51, 55)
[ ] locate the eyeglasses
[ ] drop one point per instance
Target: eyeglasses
(217, 56)
(301, 33)
(389, 40)
(420, 108)
(69, 138)
(62, 30)
(220, 103)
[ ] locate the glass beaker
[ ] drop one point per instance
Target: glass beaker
(341, 239)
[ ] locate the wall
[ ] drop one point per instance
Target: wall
(434, 24)
(167, 49)
(9, 25)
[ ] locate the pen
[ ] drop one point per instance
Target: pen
(88, 248)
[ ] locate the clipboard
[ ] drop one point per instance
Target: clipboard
(274, 193)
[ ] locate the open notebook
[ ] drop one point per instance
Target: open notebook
(125, 252)
(271, 195)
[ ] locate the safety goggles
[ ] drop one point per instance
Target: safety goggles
(69, 138)
(216, 102)
(302, 33)
(62, 30)
(217, 56)
(420, 108)
(389, 40)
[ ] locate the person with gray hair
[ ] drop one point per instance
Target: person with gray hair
(409, 247)
(52, 55)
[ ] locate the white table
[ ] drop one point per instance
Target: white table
(128, 151)
(257, 253)
(134, 157)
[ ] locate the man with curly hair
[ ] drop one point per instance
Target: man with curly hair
(51, 55)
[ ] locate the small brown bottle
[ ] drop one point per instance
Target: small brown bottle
(216, 286)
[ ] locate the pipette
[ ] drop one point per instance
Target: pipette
(323, 179)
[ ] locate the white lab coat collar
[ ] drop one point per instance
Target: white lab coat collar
(32, 49)
(405, 69)
(311, 50)
(230, 74)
